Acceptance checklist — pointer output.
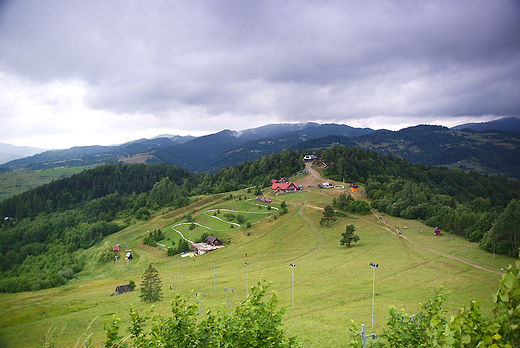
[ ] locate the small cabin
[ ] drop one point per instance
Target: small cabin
(354, 187)
(436, 231)
(214, 241)
(122, 289)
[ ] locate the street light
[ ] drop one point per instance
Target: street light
(227, 296)
(374, 266)
(214, 281)
(247, 288)
(292, 271)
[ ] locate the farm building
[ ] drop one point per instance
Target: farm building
(436, 231)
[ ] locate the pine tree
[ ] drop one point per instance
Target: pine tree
(328, 215)
(349, 236)
(151, 286)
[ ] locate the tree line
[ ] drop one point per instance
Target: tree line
(47, 228)
(480, 207)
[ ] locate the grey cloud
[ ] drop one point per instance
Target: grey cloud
(325, 60)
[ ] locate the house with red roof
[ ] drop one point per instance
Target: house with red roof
(282, 187)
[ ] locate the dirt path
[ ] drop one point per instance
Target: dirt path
(314, 176)
(398, 234)
(321, 240)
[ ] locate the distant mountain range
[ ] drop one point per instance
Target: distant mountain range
(508, 124)
(469, 146)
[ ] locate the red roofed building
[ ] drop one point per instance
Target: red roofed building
(281, 187)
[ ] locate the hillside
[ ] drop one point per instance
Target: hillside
(490, 152)
(411, 266)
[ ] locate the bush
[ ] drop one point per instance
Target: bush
(142, 214)
(253, 323)
(241, 218)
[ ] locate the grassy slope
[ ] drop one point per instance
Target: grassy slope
(19, 182)
(333, 284)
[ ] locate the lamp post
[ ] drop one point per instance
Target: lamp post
(374, 266)
(292, 271)
(247, 288)
(214, 279)
(227, 296)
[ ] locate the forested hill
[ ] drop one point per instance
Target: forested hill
(47, 229)
(491, 152)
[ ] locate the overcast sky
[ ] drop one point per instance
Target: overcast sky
(76, 73)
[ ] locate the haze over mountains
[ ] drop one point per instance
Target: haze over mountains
(432, 145)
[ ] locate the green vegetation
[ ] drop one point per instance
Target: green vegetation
(328, 216)
(15, 183)
(349, 236)
(253, 323)
(151, 285)
(69, 246)
(467, 328)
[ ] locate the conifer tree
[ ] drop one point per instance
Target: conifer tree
(349, 236)
(151, 286)
(328, 215)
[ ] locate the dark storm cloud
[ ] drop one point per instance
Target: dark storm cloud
(291, 61)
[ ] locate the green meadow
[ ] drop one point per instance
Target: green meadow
(332, 283)
(19, 182)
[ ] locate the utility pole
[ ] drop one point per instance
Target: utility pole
(214, 279)
(374, 266)
(227, 296)
(292, 271)
(247, 288)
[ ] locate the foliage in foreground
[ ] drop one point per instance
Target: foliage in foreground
(253, 323)
(467, 328)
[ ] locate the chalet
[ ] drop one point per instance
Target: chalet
(282, 187)
(354, 187)
(436, 231)
(213, 241)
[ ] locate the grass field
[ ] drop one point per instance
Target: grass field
(15, 183)
(333, 284)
